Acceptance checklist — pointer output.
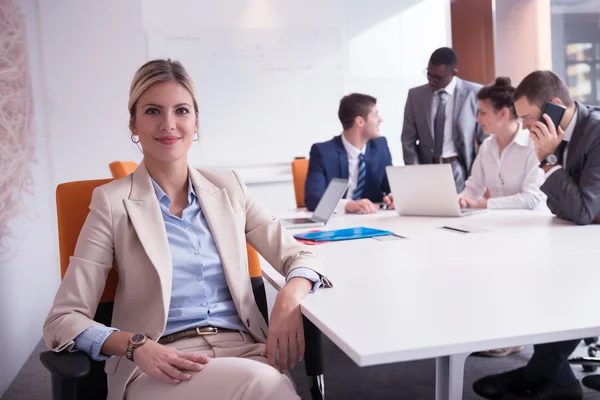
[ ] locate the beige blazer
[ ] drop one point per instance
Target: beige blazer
(125, 226)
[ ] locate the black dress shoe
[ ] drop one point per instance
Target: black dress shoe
(494, 387)
(592, 382)
(550, 391)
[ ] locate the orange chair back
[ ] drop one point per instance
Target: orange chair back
(120, 169)
(72, 207)
(253, 262)
(299, 171)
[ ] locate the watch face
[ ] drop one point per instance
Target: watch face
(552, 159)
(137, 338)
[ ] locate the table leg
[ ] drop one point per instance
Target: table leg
(317, 387)
(449, 374)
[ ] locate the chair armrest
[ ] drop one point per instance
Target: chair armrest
(66, 365)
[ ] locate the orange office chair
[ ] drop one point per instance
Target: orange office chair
(120, 169)
(74, 375)
(299, 171)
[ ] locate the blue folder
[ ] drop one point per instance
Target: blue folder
(359, 232)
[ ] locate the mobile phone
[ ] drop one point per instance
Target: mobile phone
(554, 111)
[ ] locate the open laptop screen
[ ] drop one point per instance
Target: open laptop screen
(334, 192)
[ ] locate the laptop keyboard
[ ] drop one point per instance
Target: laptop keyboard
(471, 211)
(300, 221)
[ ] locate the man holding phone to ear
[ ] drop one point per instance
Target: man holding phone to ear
(569, 153)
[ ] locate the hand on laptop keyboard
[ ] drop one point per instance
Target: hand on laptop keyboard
(362, 206)
(468, 202)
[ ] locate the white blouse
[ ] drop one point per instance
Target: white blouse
(513, 179)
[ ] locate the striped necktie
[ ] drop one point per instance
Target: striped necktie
(438, 126)
(362, 177)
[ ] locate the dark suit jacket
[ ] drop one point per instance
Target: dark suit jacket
(329, 160)
(417, 136)
(574, 190)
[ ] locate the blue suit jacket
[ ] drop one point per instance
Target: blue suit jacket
(329, 160)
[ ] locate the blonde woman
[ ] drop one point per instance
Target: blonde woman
(185, 322)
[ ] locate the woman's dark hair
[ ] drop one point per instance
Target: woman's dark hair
(500, 95)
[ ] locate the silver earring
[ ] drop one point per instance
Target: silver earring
(133, 140)
(197, 136)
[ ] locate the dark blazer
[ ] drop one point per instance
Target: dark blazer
(329, 160)
(417, 137)
(574, 190)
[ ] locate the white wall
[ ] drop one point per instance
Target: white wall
(29, 272)
(91, 50)
(389, 43)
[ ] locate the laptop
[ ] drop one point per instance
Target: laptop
(334, 192)
(427, 190)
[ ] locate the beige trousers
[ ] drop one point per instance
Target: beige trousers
(237, 371)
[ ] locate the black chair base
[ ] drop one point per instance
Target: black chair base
(592, 382)
(591, 362)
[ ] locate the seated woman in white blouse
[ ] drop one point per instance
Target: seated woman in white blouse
(506, 164)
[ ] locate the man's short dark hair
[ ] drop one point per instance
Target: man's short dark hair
(355, 105)
(542, 86)
(444, 56)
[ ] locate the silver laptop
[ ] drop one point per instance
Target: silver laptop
(427, 190)
(334, 192)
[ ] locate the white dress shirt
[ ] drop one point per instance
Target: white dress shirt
(448, 149)
(352, 153)
(566, 138)
(513, 179)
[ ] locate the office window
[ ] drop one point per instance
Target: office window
(576, 47)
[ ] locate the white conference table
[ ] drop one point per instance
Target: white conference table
(519, 277)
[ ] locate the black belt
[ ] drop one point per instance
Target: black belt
(446, 160)
(188, 333)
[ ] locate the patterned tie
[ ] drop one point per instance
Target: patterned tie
(438, 126)
(362, 177)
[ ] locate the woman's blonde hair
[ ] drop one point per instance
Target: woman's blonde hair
(159, 71)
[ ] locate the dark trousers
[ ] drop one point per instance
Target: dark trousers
(459, 173)
(549, 361)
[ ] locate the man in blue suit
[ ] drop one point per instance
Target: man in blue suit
(359, 154)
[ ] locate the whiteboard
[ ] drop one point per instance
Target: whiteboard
(264, 94)
(271, 73)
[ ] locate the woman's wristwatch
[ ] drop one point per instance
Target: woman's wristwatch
(135, 341)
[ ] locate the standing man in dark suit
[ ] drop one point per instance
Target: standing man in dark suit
(439, 119)
(570, 157)
(359, 154)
